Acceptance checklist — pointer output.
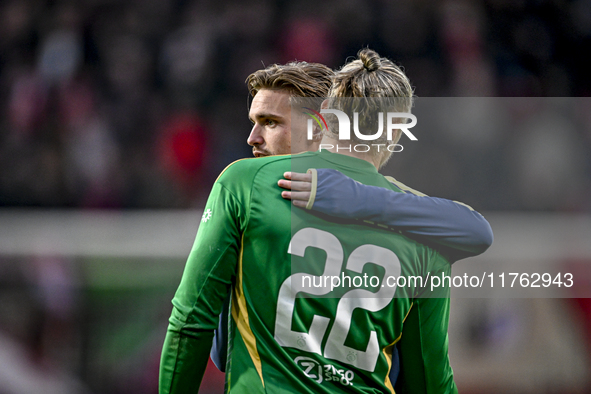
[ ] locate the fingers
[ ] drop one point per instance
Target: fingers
(300, 184)
(295, 185)
(298, 176)
(299, 197)
(284, 184)
(299, 203)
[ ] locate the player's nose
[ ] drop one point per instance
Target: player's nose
(256, 137)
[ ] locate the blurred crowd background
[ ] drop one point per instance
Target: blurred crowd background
(140, 104)
(119, 105)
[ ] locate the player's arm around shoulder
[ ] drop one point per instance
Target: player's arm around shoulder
(462, 228)
(455, 227)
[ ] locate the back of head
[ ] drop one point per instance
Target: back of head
(371, 76)
(301, 79)
(368, 85)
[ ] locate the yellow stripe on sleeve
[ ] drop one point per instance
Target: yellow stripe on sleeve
(402, 186)
(240, 315)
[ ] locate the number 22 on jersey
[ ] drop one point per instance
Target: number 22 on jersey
(311, 341)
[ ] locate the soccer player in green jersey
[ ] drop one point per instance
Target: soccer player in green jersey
(453, 229)
(289, 337)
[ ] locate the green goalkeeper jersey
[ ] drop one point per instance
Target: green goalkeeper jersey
(317, 305)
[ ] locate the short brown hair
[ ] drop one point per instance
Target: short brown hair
(299, 78)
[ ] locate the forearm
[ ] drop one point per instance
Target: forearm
(438, 221)
(424, 361)
(443, 221)
(184, 358)
(195, 315)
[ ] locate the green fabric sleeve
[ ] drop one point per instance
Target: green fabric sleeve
(423, 348)
(206, 280)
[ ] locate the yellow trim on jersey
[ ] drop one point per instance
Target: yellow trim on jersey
(251, 158)
(388, 353)
(402, 186)
(228, 166)
(240, 315)
(314, 188)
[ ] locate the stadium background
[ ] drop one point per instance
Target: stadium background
(118, 115)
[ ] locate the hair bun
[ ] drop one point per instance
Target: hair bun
(370, 59)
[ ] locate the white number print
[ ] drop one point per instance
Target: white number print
(357, 298)
(311, 341)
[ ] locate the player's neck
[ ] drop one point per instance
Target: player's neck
(347, 149)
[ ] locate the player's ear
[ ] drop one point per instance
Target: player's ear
(316, 133)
